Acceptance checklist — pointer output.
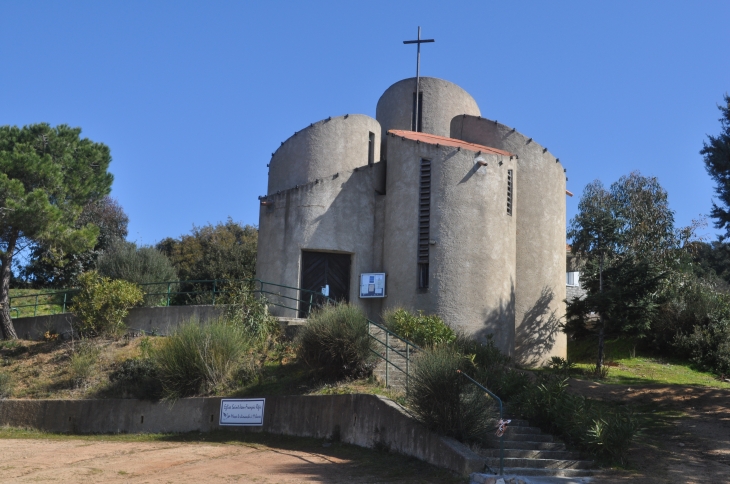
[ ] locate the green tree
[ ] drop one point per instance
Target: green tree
(44, 270)
(627, 238)
(140, 265)
(221, 251)
(716, 153)
(595, 233)
(47, 175)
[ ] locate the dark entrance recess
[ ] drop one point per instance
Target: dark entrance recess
(324, 268)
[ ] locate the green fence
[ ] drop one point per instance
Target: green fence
(177, 293)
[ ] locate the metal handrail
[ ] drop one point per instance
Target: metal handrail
(501, 417)
(259, 286)
(389, 348)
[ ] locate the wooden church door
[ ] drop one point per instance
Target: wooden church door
(320, 269)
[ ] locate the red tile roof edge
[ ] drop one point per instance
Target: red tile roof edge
(456, 143)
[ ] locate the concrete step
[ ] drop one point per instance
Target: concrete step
(517, 437)
(512, 462)
(478, 478)
(525, 471)
(532, 454)
(516, 422)
(522, 429)
(526, 445)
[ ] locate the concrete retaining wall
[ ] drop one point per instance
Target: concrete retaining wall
(363, 420)
(160, 319)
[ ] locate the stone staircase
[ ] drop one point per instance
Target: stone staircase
(530, 452)
(389, 373)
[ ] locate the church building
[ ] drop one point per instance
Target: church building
(445, 211)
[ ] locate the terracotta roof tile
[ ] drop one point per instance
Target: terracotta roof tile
(442, 140)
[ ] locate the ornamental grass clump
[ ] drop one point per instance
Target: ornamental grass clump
(335, 343)
(445, 402)
(6, 385)
(203, 359)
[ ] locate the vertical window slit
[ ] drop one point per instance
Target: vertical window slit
(371, 148)
(424, 219)
(509, 192)
(418, 127)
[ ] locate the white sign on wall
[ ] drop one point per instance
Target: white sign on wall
(372, 284)
(242, 411)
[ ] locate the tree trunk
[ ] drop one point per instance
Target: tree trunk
(599, 363)
(6, 324)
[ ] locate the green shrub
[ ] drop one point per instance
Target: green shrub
(421, 329)
(202, 359)
(6, 385)
(139, 265)
(455, 407)
(708, 345)
(595, 427)
(694, 323)
(82, 362)
(446, 402)
(251, 312)
(335, 342)
(102, 304)
(137, 378)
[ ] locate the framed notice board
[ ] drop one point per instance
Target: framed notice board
(372, 284)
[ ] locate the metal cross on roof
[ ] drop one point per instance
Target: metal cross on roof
(418, 41)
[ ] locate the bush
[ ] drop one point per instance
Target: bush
(455, 407)
(694, 323)
(81, 365)
(6, 385)
(421, 329)
(335, 342)
(137, 378)
(199, 360)
(251, 312)
(140, 265)
(102, 304)
(708, 345)
(595, 427)
(446, 402)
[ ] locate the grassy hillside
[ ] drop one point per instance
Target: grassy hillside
(629, 365)
(27, 304)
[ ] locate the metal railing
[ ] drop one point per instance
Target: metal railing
(303, 301)
(501, 416)
(389, 349)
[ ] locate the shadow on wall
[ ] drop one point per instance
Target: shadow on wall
(536, 334)
(500, 322)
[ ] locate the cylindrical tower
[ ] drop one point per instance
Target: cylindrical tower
(320, 207)
(324, 148)
(450, 233)
(440, 101)
(540, 215)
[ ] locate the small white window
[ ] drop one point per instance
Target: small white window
(573, 278)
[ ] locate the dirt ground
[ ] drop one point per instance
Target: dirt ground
(87, 461)
(686, 438)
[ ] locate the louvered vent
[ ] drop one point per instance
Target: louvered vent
(424, 220)
(424, 211)
(509, 192)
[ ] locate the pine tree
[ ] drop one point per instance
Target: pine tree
(716, 153)
(47, 175)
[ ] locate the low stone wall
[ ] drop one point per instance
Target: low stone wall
(159, 319)
(363, 420)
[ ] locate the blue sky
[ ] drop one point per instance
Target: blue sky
(193, 97)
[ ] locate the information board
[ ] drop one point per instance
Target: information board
(372, 284)
(242, 411)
